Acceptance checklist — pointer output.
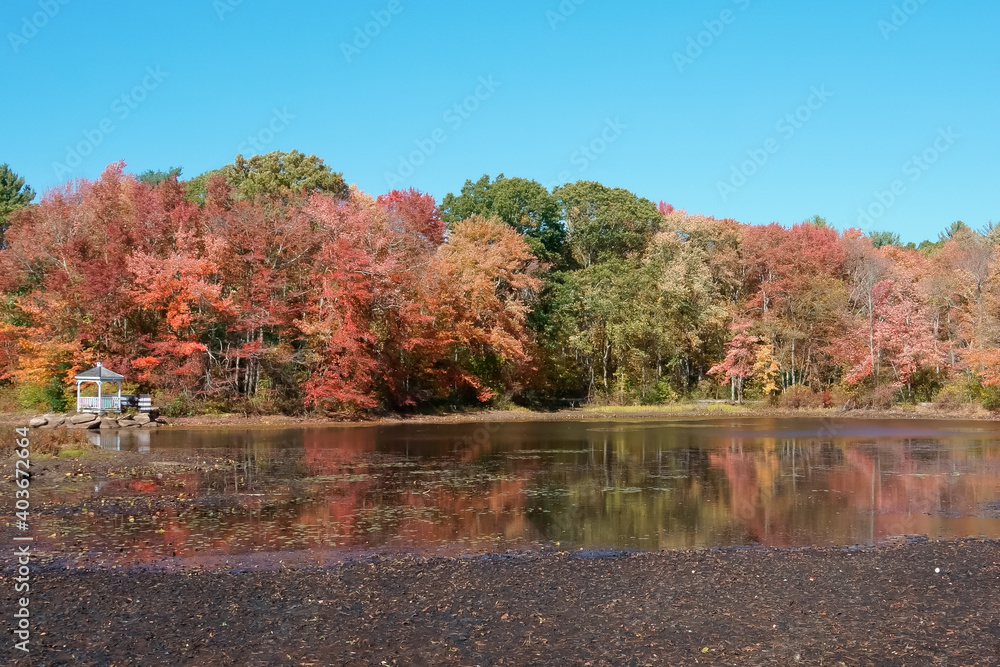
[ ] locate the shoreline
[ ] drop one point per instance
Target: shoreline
(601, 413)
(338, 558)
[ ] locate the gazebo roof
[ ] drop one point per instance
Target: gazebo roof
(99, 373)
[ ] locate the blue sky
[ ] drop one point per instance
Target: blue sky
(760, 111)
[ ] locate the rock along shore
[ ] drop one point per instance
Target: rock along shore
(92, 421)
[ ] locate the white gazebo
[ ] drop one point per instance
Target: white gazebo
(99, 375)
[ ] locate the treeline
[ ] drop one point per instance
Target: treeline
(271, 285)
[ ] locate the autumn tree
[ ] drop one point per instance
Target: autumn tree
(415, 212)
(178, 292)
(264, 267)
(786, 275)
(480, 288)
(739, 364)
(365, 323)
(894, 335)
(340, 353)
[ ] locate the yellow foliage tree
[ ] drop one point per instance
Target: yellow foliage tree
(766, 369)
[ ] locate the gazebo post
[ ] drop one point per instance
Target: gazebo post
(78, 383)
(118, 409)
(99, 406)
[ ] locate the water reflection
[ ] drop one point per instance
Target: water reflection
(105, 439)
(137, 440)
(486, 487)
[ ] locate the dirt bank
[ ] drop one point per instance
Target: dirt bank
(680, 411)
(685, 411)
(917, 603)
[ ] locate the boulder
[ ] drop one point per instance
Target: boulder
(82, 418)
(37, 422)
(142, 418)
(150, 425)
(56, 421)
(94, 425)
(125, 422)
(108, 423)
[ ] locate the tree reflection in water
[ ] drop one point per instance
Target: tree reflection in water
(486, 487)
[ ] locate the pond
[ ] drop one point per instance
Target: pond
(487, 487)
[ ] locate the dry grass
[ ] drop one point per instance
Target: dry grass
(51, 442)
(673, 408)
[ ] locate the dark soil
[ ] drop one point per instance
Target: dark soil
(878, 606)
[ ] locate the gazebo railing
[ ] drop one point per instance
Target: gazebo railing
(102, 404)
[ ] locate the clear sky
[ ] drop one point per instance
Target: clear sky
(758, 110)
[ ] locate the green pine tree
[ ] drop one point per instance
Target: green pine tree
(14, 194)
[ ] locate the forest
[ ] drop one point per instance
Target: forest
(272, 285)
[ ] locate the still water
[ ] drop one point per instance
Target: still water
(495, 486)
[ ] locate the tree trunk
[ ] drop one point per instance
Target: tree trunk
(260, 341)
(607, 353)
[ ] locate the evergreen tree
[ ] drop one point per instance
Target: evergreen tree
(14, 194)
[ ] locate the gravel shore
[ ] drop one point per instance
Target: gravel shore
(913, 603)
